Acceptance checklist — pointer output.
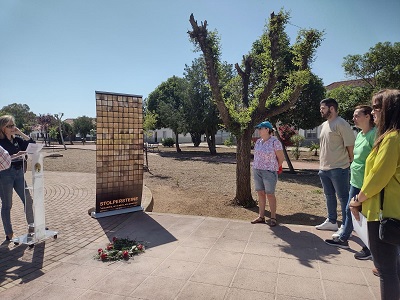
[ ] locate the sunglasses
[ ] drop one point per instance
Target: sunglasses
(10, 126)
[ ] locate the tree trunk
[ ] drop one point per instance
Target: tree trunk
(211, 143)
(196, 138)
(243, 187)
(178, 149)
(289, 163)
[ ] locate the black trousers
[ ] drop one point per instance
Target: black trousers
(387, 261)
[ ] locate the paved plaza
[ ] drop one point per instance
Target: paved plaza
(187, 257)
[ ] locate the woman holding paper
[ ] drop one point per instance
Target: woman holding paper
(364, 120)
(382, 171)
(15, 143)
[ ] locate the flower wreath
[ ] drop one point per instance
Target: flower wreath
(120, 249)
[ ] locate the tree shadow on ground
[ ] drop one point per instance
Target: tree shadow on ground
(309, 177)
(21, 262)
(296, 218)
(307, 247)
(219, 158)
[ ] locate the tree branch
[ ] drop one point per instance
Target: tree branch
(200, 35)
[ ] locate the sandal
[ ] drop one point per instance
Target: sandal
(258, 220)
(272, 222)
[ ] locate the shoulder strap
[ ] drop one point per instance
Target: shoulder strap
(381, 206)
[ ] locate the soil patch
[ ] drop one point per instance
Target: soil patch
(193, 182)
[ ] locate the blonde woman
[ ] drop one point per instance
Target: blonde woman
(15, 143)
(382, 172)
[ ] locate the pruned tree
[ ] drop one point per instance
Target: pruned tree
(255, 94)
(46, 122)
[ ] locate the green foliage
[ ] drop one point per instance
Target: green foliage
(305, 112)
(24, 118)
(200, 112)
(296, 140)
(166, 101)
(229, 141)
(53, 132)
(348, 98)
(168, 142)
(314, 147)
(379, 67)
(149, 122)
(83, 125)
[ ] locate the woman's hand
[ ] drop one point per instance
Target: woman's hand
(17, 131)
(17, 155)
(355, 207)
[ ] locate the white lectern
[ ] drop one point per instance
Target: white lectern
(36, 231)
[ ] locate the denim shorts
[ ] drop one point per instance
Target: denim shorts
(265, 180)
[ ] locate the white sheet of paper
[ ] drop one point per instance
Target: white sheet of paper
(34, 148)
(361, 228)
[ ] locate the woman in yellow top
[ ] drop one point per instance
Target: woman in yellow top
(382, 171)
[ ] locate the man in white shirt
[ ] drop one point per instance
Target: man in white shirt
(336, 153)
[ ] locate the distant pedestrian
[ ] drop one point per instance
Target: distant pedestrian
(268, 158)
(336, 154)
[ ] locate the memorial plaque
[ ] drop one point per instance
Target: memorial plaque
(119, 152)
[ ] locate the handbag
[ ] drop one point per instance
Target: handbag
(389, 228)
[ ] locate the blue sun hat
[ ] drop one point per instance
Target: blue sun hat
(265, 124)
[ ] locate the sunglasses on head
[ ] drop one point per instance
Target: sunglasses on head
(376, 106)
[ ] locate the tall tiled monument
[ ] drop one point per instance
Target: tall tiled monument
(119, 154)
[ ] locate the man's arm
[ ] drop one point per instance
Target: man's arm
(5, 159)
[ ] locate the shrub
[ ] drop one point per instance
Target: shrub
(229, 141)
(296, 140)
(168, 142)
(314, 147)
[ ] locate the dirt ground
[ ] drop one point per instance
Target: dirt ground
(195, 183)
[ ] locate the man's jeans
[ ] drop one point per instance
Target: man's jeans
(348, 224)
(13, 179)
(335, 182)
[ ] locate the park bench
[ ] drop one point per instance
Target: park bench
(152, 146)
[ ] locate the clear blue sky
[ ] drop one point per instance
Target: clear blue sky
(55, 54)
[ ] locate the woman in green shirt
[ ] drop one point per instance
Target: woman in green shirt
(382, 171)
(364, 120)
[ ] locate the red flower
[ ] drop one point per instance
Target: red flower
(109, 247)
(125, 254)
(100, 250)
(140, 247)
(114, 239)
(103, 256)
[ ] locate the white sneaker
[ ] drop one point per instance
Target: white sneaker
(337, 234)
(327, 225)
